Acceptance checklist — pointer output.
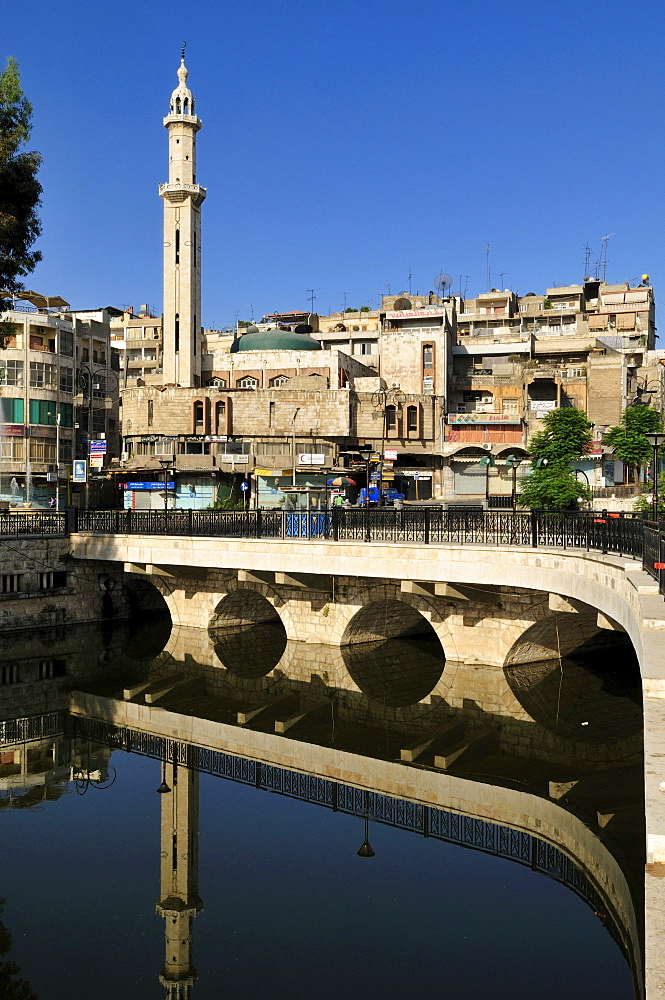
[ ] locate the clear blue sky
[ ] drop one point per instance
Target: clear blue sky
(346, 144)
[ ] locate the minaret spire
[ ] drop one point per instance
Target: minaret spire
(182, 198)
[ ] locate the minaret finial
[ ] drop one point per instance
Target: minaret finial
(182, 51)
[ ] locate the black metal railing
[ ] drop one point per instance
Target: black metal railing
(622, 533)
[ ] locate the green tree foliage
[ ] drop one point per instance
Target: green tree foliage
(628, 440)
(566, 435)
(19, 187)
(553, 485)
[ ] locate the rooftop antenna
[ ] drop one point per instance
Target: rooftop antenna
(388, 283)
(312, 296)
(442, 283)
(502, 275)
(466, 285)
(602, 260)
(489, 269)
(409, 280)
(250, 306)
(587, 260)
(345, 294)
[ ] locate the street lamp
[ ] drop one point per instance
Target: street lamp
(366, 850)
(366, 455)
(293, 445)
(514, 461)
(91, 380)
(166, 464)
(489, 463)
(656, 440)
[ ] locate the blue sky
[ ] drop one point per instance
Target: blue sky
(346, 145)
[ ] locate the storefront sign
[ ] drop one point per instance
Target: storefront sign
(96, 461)
(145, 486)
(483, 418)
(390, 454)
(98, 447)
(270, 472)
(11, 430)
(240, 459)
(217, 438)
(416, 313)
(311, 459)
(542, 404)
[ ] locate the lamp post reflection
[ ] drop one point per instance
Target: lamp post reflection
(366, 850)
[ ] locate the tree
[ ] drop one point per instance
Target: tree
(628, 440)
(553, 485)
(19, 188)
(566, 435)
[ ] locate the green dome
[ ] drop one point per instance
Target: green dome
(275, 340)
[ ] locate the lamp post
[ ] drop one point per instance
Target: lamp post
(489, 463)
(514, 461)
(91, 379)
(166, 464)
(366, 850)
(656, 440)
(366, 455)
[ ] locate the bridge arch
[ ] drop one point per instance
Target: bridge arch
(251, 604)
(145, 594)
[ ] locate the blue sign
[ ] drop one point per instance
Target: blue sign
(147, 486)
(244, 487)
(98, 447)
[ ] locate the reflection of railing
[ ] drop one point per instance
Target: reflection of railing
(37, 727)
(429, 821)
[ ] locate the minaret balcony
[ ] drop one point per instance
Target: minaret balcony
(179, 191)
(193, 120)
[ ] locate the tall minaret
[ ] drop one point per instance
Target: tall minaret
(179, 877)
(182, 198)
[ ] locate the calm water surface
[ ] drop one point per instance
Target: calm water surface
(287, 907)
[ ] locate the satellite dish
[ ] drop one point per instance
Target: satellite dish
(443, 282)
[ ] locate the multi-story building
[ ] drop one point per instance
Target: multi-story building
(56, 395)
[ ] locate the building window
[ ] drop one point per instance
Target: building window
(216, 383)
(278, 381)
(220, 416)
(510, 406)
(363, 347)
(9, 674)
(11, 411)
(66, 414)
(66, 380)
(42, 411)
(12, 583)
(52, 579)
(198, 416)
(50, 668)
(391, 420)
(11, 373)
(412, 420)
(248, 382)
(42, 450)
(12, 448)
(428, 356)
(151, 409)
(66, 450)
(42, 376)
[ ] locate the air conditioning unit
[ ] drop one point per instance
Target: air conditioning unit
(394, 385)
(486, 445)
(461, 408)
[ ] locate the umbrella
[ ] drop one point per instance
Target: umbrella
(342, 481)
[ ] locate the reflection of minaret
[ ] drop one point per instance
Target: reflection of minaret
(182, 198)
(179, 878)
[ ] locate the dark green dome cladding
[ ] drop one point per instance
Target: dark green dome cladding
(275, 340)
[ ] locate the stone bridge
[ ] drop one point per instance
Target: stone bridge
(497, 606)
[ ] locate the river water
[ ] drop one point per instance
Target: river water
(255, 872)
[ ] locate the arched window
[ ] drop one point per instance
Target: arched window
(248, 382)
(428, 356)
(278, 381)
(185, 107)
(216, 383)
(391, 420)
(177, 105)
(220, 417)
(412, 421)
(198, 417)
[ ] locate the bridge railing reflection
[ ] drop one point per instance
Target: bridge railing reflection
(428, 821)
